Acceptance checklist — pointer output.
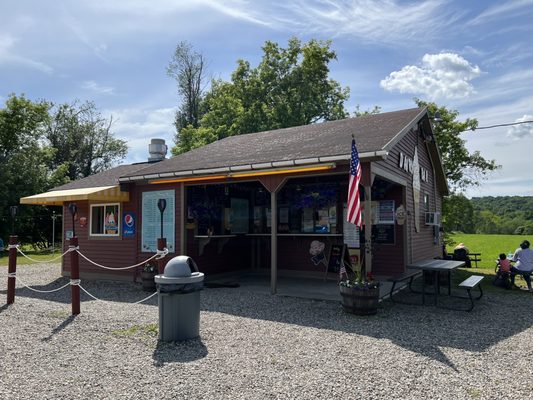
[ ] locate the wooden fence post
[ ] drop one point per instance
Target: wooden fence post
(12, 269)
(75, 275)
(161, 244)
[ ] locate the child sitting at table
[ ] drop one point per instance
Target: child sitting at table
(505, 264)
(502, 278)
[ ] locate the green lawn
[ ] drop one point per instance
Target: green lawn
(490, 246)
(44, 255)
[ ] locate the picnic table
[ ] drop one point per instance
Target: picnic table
(475, 257)
(436, 266)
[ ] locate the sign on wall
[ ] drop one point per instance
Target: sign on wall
(350, 232)
(128, 224)
(151, 220)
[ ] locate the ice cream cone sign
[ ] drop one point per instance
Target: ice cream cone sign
(110, 223)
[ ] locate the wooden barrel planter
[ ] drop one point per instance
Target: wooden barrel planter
(359, 301)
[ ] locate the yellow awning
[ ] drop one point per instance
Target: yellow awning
(58, 197)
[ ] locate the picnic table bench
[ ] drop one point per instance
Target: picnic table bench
(410, 274)
(469, 284)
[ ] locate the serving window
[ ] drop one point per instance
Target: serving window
(311, 205)
(105, 220)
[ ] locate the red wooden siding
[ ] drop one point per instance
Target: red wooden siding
(419, 245)
(116, 251)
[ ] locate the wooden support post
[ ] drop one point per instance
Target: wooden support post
(368, 229)
(12, 269)
(183, 231)
(273, 242)
(75, 275)
(161, 244)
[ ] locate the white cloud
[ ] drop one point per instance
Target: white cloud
(75, 26)
(8, 56)
(384, 22)
(440, 76)
(97, 88)
(523, 130)
(506, 9)
(138, 126)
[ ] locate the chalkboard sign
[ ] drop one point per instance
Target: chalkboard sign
(383, 234)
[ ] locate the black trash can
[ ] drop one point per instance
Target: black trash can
(179, 300)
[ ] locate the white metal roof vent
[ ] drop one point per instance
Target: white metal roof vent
(157, 149)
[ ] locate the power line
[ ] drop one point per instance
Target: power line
(498, 125)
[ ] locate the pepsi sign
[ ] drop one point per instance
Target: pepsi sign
(128, 220)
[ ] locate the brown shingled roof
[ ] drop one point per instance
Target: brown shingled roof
(372, 133)
(105, 178)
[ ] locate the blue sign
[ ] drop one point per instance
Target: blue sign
(128, 223)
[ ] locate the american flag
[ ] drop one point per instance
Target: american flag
(354, 204)
(342, 270)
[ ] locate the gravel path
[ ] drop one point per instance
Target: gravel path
(256, 346)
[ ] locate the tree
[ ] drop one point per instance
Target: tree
(41, 147)
(187, 67)
(25, 162)
(83, 140)
(458, 214)
(289, 87)
(462, 168)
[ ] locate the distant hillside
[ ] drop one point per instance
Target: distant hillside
(506, 214)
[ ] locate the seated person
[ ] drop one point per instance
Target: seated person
(502, 278)
(504, 263)
(460, 253)
(523, 256)
(445, 255)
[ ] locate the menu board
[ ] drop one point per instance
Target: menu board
(151, 220)
(350, 231)
(386, 212)
(383, 234)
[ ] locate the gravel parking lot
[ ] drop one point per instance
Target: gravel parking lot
(256, 346)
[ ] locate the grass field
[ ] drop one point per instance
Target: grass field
(490, 246)
(45, 255)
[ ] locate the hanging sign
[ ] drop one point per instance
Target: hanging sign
(400, 215)
(128, 224)
(350, 231)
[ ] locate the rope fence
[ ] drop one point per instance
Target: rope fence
(74, 282)
(158, 255)
(16, 246)
(71, 282)
(107, 301)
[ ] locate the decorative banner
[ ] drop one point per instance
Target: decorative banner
(128, 224)
(151, 220)
(416, 189)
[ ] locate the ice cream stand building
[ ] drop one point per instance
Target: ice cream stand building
(271, 202)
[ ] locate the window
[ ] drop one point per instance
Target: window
(105, 220)
(426, 202)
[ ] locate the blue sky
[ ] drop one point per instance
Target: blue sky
(475, 57)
